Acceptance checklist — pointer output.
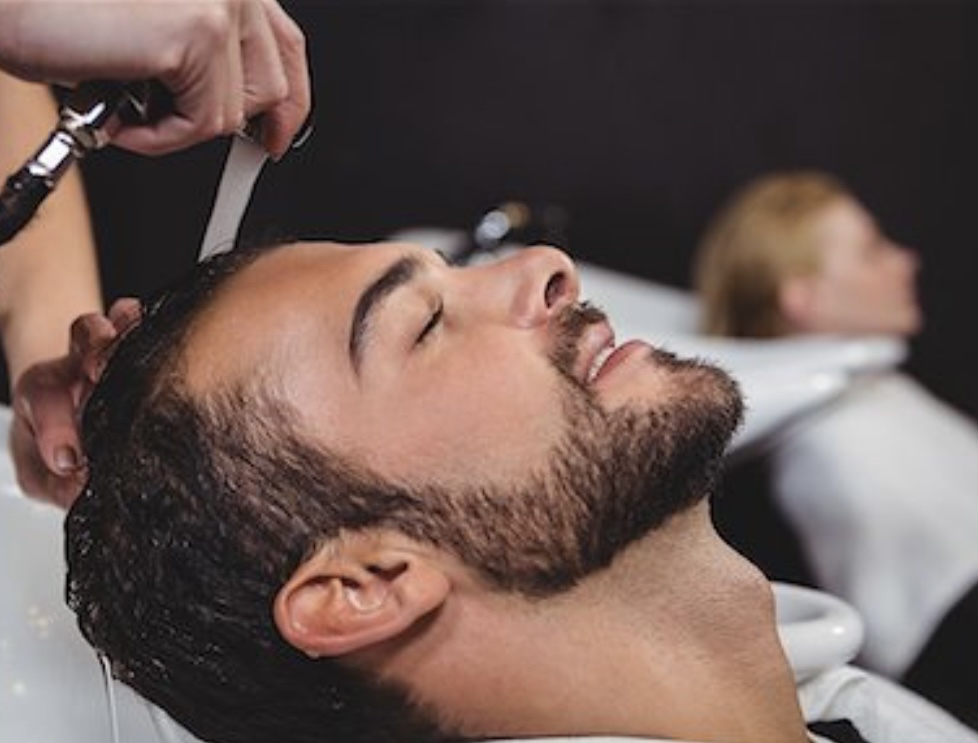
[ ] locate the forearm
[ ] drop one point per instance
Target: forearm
(48, 273)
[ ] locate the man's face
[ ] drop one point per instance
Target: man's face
(866, 282)
(488, 382)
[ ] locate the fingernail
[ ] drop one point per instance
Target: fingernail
(66, 459)
(303, 134)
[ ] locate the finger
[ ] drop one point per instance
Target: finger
(125, 313)
(206, 87)
(167, 135)
(91, 330)
(33, 476)
(233, 91)
(203, 113)
(283, 121)
(91, 337)
(264, 81)
(63, 491)
(50, 414)
(93, 352)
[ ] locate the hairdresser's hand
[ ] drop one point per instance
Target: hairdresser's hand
(48, 400)
(224, 61)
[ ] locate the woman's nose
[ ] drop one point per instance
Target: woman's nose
(538, 282)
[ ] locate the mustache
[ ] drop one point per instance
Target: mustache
(569, 327)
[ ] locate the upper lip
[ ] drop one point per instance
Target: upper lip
(596, 340)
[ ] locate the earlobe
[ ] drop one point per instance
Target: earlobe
(353, 593)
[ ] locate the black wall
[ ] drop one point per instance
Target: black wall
(635, 116)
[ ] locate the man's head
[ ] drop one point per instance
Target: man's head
(797, 253)
(295, 457)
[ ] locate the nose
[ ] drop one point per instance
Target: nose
(535, 284)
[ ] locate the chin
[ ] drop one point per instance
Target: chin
(916, 324)
(911, 326)
(656, 393)
(651, 393)
(691, 383)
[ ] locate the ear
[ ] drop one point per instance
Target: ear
(798, 301)
(356, 591)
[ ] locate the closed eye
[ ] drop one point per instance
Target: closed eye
(432, 323)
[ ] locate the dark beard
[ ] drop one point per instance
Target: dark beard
(614, 478)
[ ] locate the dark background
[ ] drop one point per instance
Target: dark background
(635, 116)
(631, 118)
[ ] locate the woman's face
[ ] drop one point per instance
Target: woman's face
(865, 282)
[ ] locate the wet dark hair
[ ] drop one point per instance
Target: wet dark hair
(196, 511)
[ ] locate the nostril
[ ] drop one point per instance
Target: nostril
(555, 288)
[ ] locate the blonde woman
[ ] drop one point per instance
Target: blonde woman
(881, 486)
(797, 253)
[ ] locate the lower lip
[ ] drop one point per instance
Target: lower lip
(619, 356)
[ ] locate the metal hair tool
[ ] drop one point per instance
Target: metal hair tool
(244, 163)
(90, 115)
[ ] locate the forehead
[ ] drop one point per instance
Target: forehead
(842, 221)
(293, 301)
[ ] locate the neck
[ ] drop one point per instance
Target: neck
(677, 639)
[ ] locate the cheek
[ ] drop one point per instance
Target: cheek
(476, 418)
(870, 300)
(857, 291)
(882, 288)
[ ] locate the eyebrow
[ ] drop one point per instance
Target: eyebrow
(395, 276)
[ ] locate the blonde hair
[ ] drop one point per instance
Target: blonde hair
(760, 237)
